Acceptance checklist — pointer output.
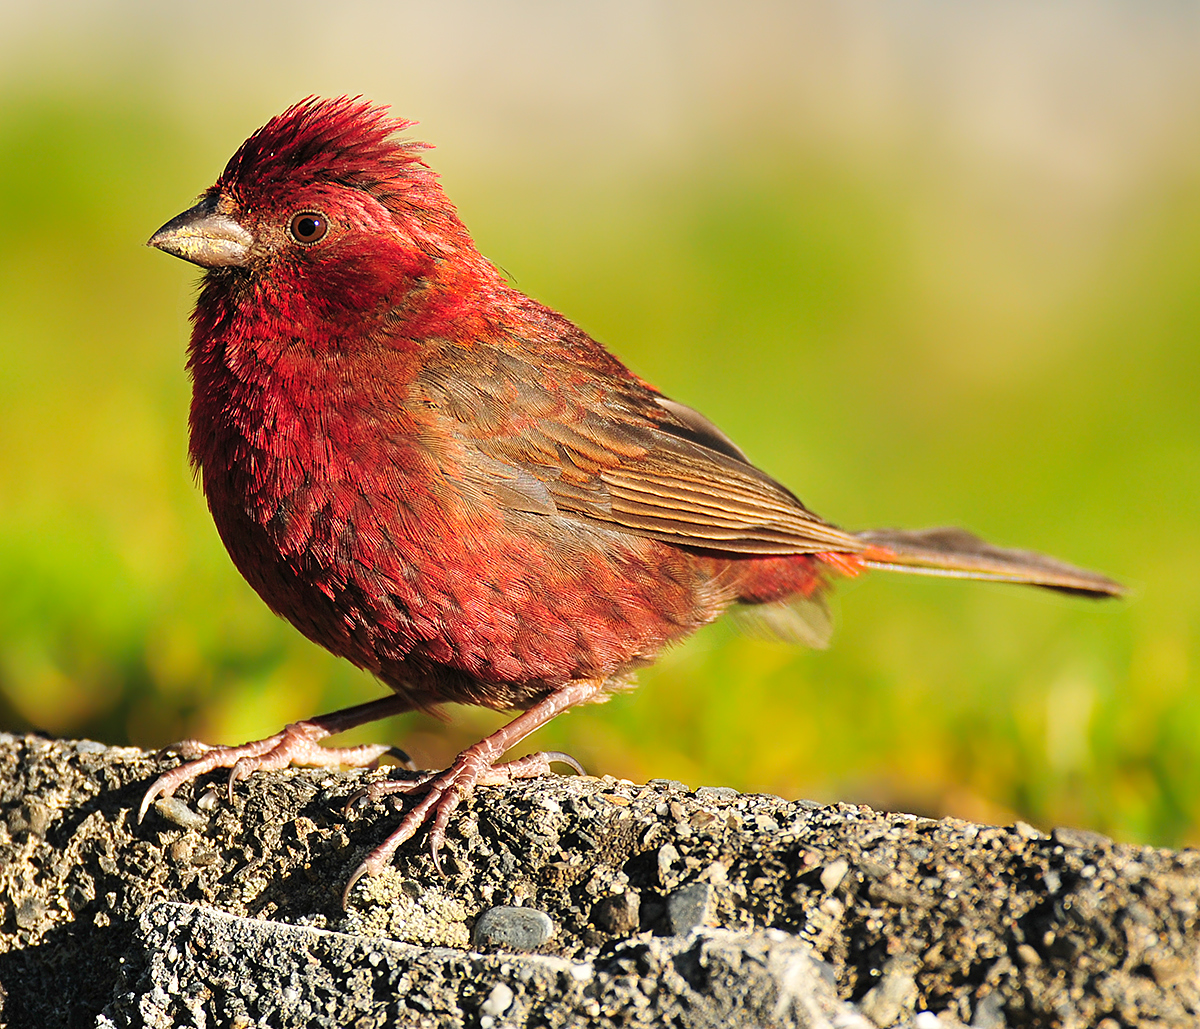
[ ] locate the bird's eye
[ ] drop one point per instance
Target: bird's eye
(308, 227)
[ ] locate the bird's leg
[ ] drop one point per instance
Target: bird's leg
(298, 743)
(476, 765)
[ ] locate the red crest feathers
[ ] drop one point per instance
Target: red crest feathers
(346, 140)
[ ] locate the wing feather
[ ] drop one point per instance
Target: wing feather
(635, 460)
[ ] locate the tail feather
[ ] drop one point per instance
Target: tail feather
(958, 554)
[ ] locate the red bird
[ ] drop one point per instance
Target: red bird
(454, 487)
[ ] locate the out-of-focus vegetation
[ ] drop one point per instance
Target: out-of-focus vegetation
(901, 339)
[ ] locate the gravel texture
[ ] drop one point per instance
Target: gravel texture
(635, 905)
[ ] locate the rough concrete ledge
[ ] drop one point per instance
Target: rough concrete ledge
(567, 902)
(287, 975)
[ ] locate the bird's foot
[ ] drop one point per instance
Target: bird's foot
(296, 744)
(443, 792)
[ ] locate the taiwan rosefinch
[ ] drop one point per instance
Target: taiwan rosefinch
(452, 486)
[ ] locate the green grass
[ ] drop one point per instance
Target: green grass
(893, 349)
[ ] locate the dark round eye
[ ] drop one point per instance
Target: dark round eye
(308, 227)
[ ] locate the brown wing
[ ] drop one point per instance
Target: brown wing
(560, 436)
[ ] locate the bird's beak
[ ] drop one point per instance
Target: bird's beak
(205, 237)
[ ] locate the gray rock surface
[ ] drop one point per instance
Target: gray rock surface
(666, 906)
(285, 975)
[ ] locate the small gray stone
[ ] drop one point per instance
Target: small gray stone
(90, 747)
(669, 784)
(1079, 839)
(895, 994)
(30, 817)
(989, 1013)
(175, 810)
(512, 928)
(717, 793)
(38, 816)
(30, 912)
(688, 907)
(826, 971)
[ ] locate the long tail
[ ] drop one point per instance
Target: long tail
(958, 554)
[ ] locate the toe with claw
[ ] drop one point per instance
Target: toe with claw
(297, 744)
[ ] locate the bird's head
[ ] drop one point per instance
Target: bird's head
(324, 205)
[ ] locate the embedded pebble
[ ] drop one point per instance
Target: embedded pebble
(668, 784)
(1080, 839)
(688, 907)
(40, 817)
(512, 928)
(894, 994)
(833, 874)
(618, 913)
(989, 1013)
(498, 1001)
(1028, 957)
(667, 856)
(209, 799)
(175, 810)
(718, 794)
(30, 912)
(32, 817)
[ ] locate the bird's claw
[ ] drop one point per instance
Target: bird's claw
(440, 797)
(559, 757)
(374, 792)
(401, 757)
(241, 769)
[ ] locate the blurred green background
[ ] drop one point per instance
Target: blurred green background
(927, 263)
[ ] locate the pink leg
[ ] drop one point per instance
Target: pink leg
(474, 766)
(297, 743)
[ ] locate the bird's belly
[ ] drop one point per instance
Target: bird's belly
(490, 609)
